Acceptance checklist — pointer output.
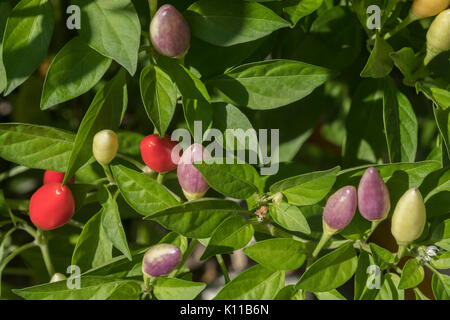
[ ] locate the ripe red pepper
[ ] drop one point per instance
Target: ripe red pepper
(51, 206)
(156, 153)
(53, 176)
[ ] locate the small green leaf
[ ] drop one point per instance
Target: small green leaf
(233, 234)
(379, 63)
(330, 271)
(92, 288)
(440, 283)
(442, 262)
(255, 283)
(362, 290)
(105, 112)
(197, 110)
(237, 181)
(412, 275)
(93, 247)
(268, 84)
(37, 147)
(306, 189)
(177, 289)
(330, 295)
(27, 36)
(289, 217)
(278, 254)
(159, 96)
(5, 9)
(290, 293)
(142, 193)
(382, 257)
(112, 225)
(75, 69)
(389, 289)
(439, 96)
(233, 22)
(298, 9)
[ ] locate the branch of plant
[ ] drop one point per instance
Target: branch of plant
(134, 162)
(223, 267)
(42, 242)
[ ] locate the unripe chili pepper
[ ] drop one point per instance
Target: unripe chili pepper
(54, 176)
(438, 36)
(161, 259)
(156, 153)
(373, 196)
(191, 180)
(428, 8)
(58, 277)
(409, 217)
(169, 32)
(340, 208)
(105, 146)
(51, 206)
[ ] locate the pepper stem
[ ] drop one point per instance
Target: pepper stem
(325, 237)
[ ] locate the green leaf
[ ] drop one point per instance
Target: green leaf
(268, 84)
(197, 110)
(362, 274)
(237, 181)
(289, 217)
(435, 190)
(142, 193)
(5, 9)
(440, 283)
(420, 295)
(330, 271)
(306, 189)
(439, 96)
(278, 254)
(231, 235)
(382, 257)
(93, 247)
(112, 28)
(298, 9)
(233, 22)
(112, 225)
(406, 61)
(389, 289)
(37, 147)
(27, 36)
(379, 63)
(330, 295)
(442, 262)
(177, 289)
(75, 70)
(400, 124)
(196, 219)
(129, 143)
(159, 96)
(187, 83)
(105, 112)
(92, 288)
(290, 293)
(412, 274)
(255, 283)
(443, 123)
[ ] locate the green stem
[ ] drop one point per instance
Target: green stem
(108, 173)
(153, 5)
(76, 224)
(12, 172)
(160, 178)
(372, 228)
(408, 20)
(223, 267)
(402, 250)
(43, 245)
(134, 162)
(325, 237)
(16, 253)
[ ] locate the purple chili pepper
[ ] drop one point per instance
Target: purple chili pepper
(340, 208)
(373, 196)
(161, 259)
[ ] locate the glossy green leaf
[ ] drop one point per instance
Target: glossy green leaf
(268, 84)
(5, 9)
(330, 271)
(142, 193)
(159, 95)
(306, 189)
(365, 276)
(255, 283)
(231, 235)
(92, 288)
(33, 146)
(382, 257)
(435, 190)
(75, 70)
(177, 289)
(289, 217)
(439, 96)
(93, 247)
(290, 293)
(278, 254)
(112, 225)
(27, 36)
(200, 111)
(440, 283)
(443, 123)
(412, 275)
(330, 295)
(442, 262)
(129, 143)
(389, 288)
(400, 124)
(112, 28)
(233, 22)
(196, 219)
(298, 9)
(105, 112)
(379, 63)
(237, 181)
